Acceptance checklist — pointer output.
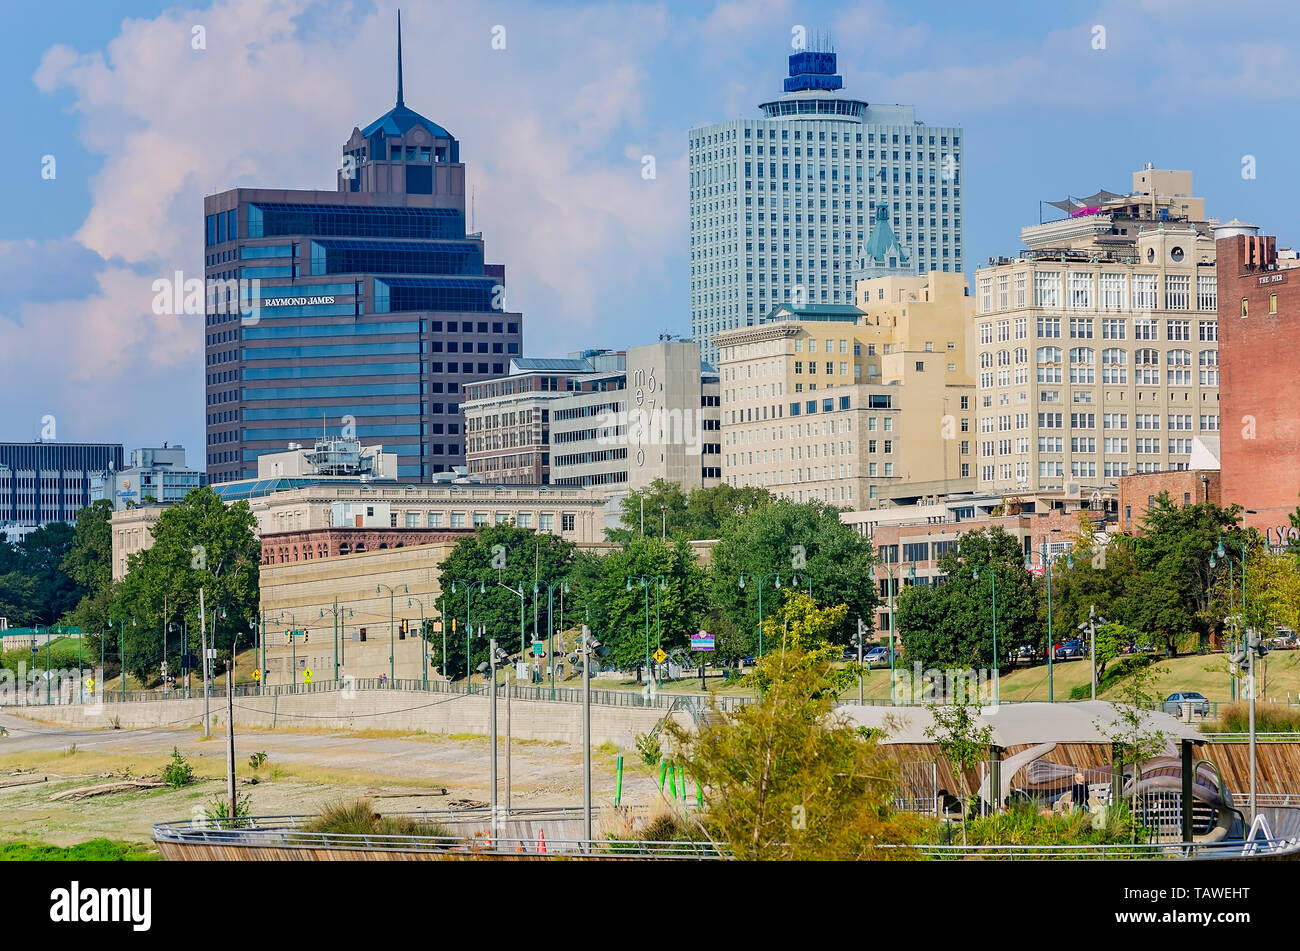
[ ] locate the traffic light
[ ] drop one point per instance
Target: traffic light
(363, 633)
(288, 637)
(406, 626)
(306, 636)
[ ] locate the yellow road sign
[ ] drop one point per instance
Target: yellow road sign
(659, 655)
(257, 675)
(306, 676)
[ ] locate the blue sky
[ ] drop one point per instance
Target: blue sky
(553, 127)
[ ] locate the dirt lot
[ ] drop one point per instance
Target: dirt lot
(304, 769)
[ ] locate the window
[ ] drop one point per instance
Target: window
(1081, 327)
(1081, 291)
(568, 521)
(1209, 330)
(1114, 328)
(1047, 289)
(1180, 367)
(1049, 326)
(1207, 292)
(1114, 291)
(1209, 364)
(1272, 303)
(546, 522)
(1113, 369)
(1178, 291)
(1179, 330)
(1144, 292)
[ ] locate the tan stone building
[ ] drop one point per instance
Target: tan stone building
(1096, 350)
(859, 405)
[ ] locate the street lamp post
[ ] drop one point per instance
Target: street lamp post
(336, 611)
(644, 581)
(550, 626)
(392, 633)
(424, 643)
(1215, 556)
(777, 584)
(993, 579)
(519, 593)
(893, 583)
(121, 651)
(469, 630)
(1051, 635)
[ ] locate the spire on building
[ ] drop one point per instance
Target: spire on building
(881, 241)
(399, 59)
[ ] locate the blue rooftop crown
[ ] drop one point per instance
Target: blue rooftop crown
(812, 70)
(400, 120)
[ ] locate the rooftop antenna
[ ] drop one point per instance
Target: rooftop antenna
(400, 103)
(472, 191)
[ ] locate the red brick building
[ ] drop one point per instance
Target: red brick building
(1138, 492)
(1259, 334)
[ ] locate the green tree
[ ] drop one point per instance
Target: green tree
(90, 564)
(799, 625)
(1169, 594)
(951, 624)
(701, 514)
(962, 740)
(787, 778)
(494, 557)
(53, 592)
(198, 543)
(791, 539)
(616, 600)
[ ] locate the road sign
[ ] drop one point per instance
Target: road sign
(212, 653)
(521, 670)
(659, 655)
(257, 675)
(35, 649)
(703, 641)
(538, 648)
(163, 666)
(306, 676)
(90, 686)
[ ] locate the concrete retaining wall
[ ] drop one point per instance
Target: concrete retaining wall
(369, 710)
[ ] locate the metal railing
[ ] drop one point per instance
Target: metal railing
(603, 697)
(288, 832)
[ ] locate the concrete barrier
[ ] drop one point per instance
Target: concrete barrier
(368, 710)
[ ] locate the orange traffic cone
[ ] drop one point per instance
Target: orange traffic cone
(541, 840)
(521, 846)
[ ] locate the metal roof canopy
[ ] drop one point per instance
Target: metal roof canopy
(1020, 724)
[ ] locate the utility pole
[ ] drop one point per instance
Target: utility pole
(492, 668)
(508, 743)
(203, 636)
(857, 639)
(230, 735)
(1090, 627)
(587, 647)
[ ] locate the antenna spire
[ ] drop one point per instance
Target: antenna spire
(399, 59)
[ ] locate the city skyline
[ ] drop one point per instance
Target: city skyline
(559, 190)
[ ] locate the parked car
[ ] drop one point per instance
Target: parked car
(877, 655)
(1072, 648)
(1025, 654)
(1176, 702)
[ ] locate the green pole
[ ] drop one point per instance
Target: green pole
(121, 652)
(672, 781)
(1051, 631)
(663, 771)
(392, 641)
(47, 665)
(993, 577)
(618, 788)
(550, 649)
(646, 585)
(658, 638)
(699, 794)
(336, 639)
(760, 617)
(891, 635)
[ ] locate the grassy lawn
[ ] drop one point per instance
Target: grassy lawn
(96, 850)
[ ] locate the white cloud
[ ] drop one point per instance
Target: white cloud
(542, 124)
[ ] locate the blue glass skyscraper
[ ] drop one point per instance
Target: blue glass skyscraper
(372, 306)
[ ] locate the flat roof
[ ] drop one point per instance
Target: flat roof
(1020, 724)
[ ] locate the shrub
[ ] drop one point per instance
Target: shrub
(1269, 718)
(218, 809)
(257, 760)
(178, 772)
(358, 817)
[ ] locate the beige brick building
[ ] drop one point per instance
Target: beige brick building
(858, 405)
(1096, 350)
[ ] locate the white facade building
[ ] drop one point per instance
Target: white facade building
(783, 207)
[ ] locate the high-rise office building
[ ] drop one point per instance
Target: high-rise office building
(824, 189)
(44, 482)
(1098, 347)
(373, 306)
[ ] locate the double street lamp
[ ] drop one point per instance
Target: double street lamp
(469, 591)
(777, 584)
(121, 650)
(993, 580)
(563, 587)
(392, 632)
(1215, 557)
(1046, 563)
(661, 584)
(893, 585)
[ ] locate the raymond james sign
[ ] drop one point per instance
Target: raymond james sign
(294, 301)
